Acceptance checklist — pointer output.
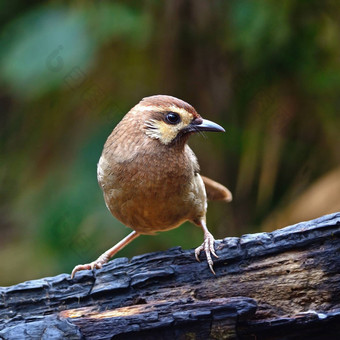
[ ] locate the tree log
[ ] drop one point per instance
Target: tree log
(282, 285)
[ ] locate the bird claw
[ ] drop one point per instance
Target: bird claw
(90, 266)
(209, 248)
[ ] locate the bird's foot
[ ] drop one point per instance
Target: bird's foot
(209, 248)
(93, 265)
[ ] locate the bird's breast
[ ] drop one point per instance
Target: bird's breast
(153, 192)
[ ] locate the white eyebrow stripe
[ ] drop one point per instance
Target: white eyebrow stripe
(171, 108)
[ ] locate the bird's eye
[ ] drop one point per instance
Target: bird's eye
(173, 118)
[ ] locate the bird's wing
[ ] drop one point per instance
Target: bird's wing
(216, 191)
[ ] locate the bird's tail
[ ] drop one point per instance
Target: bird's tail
(216, 191)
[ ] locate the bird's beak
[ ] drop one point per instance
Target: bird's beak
(206, 125)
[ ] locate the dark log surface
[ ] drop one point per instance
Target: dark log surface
(284, 284)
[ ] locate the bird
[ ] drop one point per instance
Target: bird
(150, 177)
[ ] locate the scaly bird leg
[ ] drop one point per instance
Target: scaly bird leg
(207, 246)
(104, 258)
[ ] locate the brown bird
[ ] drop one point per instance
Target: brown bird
(150, 176)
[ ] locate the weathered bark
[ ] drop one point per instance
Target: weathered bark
(284, 284)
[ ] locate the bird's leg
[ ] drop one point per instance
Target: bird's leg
(104, 258)
(207, 246)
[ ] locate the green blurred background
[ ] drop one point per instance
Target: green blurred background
(268, 71)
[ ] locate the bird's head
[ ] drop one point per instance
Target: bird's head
(170, 120)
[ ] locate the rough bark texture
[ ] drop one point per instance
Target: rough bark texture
(284, 284)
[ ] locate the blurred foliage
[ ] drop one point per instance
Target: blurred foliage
(269, 72)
